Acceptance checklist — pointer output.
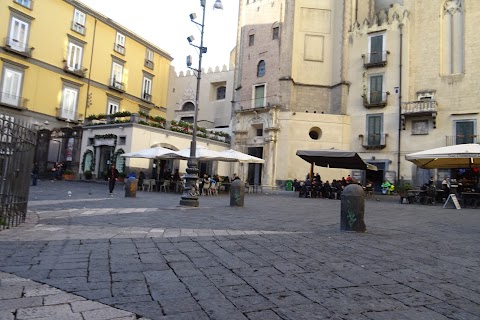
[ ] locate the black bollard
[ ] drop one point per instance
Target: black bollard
(237, 193)
(352, 209)
(131, 188)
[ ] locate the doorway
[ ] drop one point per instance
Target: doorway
(255, 169)
(106, 154)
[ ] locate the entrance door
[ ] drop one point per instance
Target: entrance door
(106, 154)
(255, 169)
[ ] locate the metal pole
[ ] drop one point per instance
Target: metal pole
(400, 105)
(190, 198)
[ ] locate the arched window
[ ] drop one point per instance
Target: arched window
(221, 93)
(188, 106)
(453, 37)
(261, 68)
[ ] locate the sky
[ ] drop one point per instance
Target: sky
(166, 24)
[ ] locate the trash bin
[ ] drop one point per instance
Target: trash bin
(289, 185)
(131, 188)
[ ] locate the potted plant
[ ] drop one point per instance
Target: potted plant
(88, 174)
(68, 175)
(403, 189)
(122, 176)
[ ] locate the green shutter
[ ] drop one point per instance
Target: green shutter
(376, 49)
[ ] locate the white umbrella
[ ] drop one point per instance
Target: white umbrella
(241, 157)
(204, 154)
(152, 153)
(456, 156)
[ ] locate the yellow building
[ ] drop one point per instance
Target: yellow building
(61, 63)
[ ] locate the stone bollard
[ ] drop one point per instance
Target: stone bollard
(352, 209)
(237, 193)
(131, 188)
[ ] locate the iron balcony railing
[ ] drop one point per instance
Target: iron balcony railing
(374, 140)
(149, 64)
(14, 101)
(116, 85)
(76, 69)
(15, 46)
(147, 97)
(375, 59)
(69, 115)
(119, 48)
(420, 108)
(461, 139)
(77, 27)
(374, 99)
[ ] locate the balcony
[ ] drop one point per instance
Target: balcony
(79, 28)
(149, 64)
(375, 59)
(119, 48)
(374, 140)
(76, 70)
(17, 47)
(420, 108)
(69, 116)
(11, 101)
(147, 97)
(116, 85)
(461, 139)
(375, 99)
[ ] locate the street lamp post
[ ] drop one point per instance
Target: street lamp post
(189, 198)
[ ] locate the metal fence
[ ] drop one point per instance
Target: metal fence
(17, 150)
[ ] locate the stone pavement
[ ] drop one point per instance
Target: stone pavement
(86, 255)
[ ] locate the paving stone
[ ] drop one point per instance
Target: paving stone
(410, 314)
(395, 288)
(305, 312)
(105, 313)
(150, 309)
(196, 315)
(21, 303)
(252, 303)
(61, 298)
(452, 312)
(263, 315)
(284, 299)
(174, 306)
(237, 290)
(62, 311)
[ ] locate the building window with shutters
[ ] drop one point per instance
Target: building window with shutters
(259, 96)
(465, 131)
(261, 68)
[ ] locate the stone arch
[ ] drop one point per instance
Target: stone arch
(188, 106)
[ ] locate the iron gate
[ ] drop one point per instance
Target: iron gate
(17, 150)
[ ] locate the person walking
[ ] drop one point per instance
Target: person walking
(112, 177)
(35, 170)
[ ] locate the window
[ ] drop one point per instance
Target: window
(374, 129)
(18, 35)
(259, 131)
(259, 98)
(453, 46)
(122, 141)
(149, 56)
(261, 68)
(419, 127)
(113, 107)
(25, 3)
(147, 89)
(188, 106)
(68, 107)
(221, 93)
(78, 23)
(117, 76)
(11, 87)
(376, 88)
(187, 119)
(376, 48)
(120, 43)
(275, 33)
(90, 142)
(465, 131)
(251, 40)
(74, 57)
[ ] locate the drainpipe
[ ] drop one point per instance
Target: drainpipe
(400, 103)
(87, 102)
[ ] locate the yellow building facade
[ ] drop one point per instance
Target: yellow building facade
(62, 62)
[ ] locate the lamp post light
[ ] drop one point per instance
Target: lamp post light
(189, 198)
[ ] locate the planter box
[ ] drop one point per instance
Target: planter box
(69, 176)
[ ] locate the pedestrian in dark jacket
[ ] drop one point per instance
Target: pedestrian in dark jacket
(112, 177)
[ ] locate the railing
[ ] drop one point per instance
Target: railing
(119, 48)
(423, 107)
(375, 59)
(77, 27)
(147, 97)
(374, 141)
(17, 150)
(15, 46)
(461, 139)
(149, 64)
(11, 100)
(374, 99)
(69, 116)
(117, 85)
(76, 70)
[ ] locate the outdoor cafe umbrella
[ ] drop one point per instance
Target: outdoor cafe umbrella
(152, 153)
(333, 158)
(456, 156)
(241, 157)
(203, 154)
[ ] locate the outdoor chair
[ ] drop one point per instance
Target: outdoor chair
(147, 183)
(248, 188)
(165, 186)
